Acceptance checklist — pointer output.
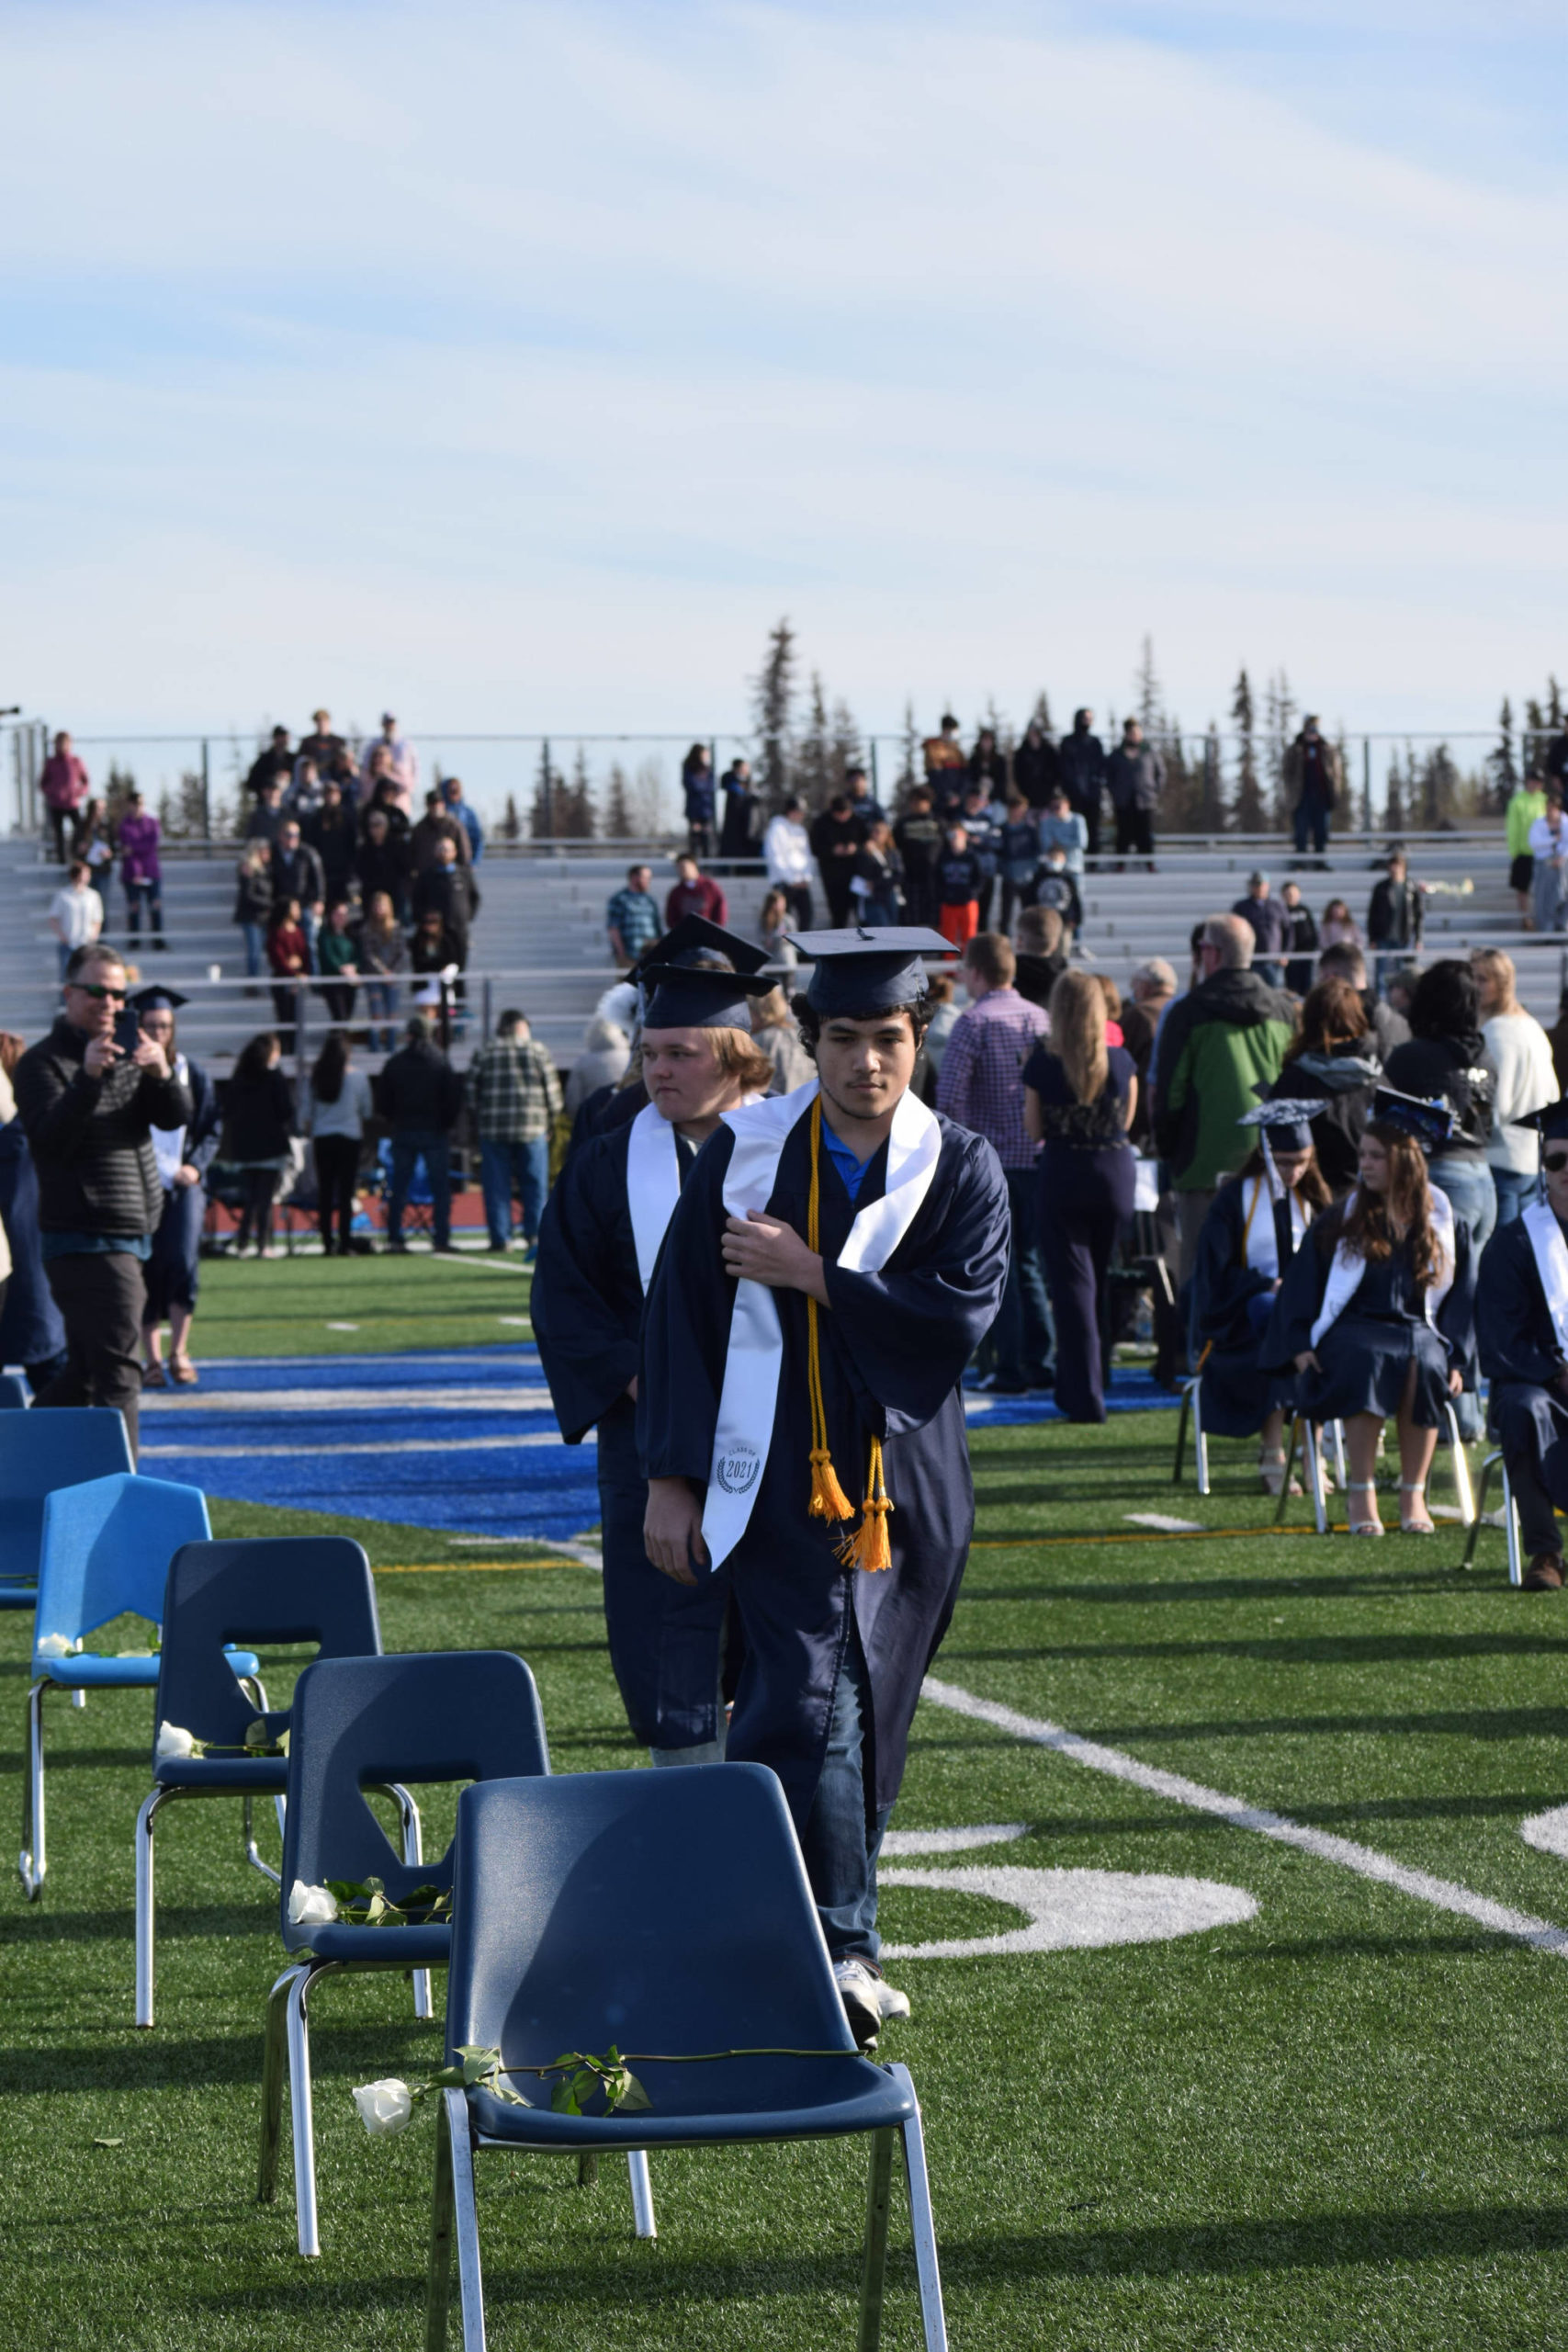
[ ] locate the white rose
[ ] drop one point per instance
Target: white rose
(55, 1646)
(311, 1907)
(173, 1741)
(384, 2107)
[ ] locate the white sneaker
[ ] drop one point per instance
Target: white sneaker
(869, 2000)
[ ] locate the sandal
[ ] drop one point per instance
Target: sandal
(152, 1376)
(182, 1372)
(1408, 1524)
(1372, 1526)
(1271, 1470)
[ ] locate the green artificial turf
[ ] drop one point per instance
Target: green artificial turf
(309, 1305)
(1341, 2124)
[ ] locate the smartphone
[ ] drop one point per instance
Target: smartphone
(128, 1029)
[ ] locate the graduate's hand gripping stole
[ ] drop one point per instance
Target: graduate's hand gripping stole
(761, 1249)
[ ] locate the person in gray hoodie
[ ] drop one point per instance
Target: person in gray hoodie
(1334, 1059)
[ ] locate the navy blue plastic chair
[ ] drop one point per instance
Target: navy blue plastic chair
(107, 1546)
(282, 1589)
(664, 1912)
(39, 1451)
(14, 1391)
(362, 1724)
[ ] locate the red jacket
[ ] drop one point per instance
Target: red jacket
(64, 780)
(699, 898)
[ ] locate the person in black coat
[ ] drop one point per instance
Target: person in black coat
(1080, 764)
(184, 1156)
(737, 834)
(448, 889)
(1333, 1059)
(1035, 768)
(333, 832)
(1521, 1322)
(420, 1095)
(383, 862)
(257, 1132)
(32, 1331)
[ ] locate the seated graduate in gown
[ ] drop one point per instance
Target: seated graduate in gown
(1259, 1218)
(600, 1238)
(1521, 1322)
(1376, 1312)
(836, 1256)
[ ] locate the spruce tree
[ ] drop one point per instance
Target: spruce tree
(1041, 714)
(910, 762)
(811, 768)
(577, 798)
(1146, 686)
(618, 826)
(845, 750)
(1280, 712)
(1394, 808)
(543, 816)
(1212, 800)
(1501, 769)
(772, 703)
(1247, 814)
(510, 826)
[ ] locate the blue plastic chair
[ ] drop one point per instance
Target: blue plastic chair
(664, 1912)
(14, 1391)
(363, 1723)
(38, 1453)
(107, 1546)
(283, 1589)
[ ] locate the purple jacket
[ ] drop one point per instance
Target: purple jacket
(139, 838)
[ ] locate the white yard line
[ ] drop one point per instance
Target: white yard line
(1443, 1894)
(434, 1444)
(1166, 1525)
(434, 1399)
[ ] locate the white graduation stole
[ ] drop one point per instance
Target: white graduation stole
(1344, 1274)
(653, 1184)
(169, 1143)
(1262, 1243)
(1551, 1254)
(750, 1395)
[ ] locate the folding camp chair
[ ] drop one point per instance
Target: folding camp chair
(38, 1453)
(666, 1913)
(264, 1588)
(106, 1552)
(372, 1722)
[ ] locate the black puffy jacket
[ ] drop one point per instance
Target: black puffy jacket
(90, 1138)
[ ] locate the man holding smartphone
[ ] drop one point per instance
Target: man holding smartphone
(88, 1096)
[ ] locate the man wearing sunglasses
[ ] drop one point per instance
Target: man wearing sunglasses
(88, 1103)
(1521, 1327)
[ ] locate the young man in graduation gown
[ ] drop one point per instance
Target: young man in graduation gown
(692, 941)
(599, 1239)
(1521, 1323)
(837, 1255)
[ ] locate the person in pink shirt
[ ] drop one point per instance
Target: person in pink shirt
(140, 871)
(65, 791)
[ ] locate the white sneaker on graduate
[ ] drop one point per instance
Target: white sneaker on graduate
(870, 2002)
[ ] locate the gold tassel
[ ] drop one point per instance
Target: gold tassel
(829, 1500)
(870, 1547)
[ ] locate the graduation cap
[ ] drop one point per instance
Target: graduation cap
(1551, 1123)
(156, 999)
(862, 972)
(681, 996)
(1430, 1122)
(1286, 1121)
(695, 936)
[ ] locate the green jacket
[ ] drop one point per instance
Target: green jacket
(1524, 808)
(1220, 1049)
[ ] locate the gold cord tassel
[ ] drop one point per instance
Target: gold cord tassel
(869, 1547)
(829, 1500)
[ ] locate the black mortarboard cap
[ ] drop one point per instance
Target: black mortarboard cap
(1430, 1122)
(680, 996)
(1551, 1123)
(865, 971)
(156, 999)
(1288, 1119)
(695, 936)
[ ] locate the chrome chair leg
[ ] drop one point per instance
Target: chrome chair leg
(1489, 1462)
(273, 2070)
(1511, 1530)
(873, 2268)
(78, 1698)
(251, 1855)
(297, 2027)
(926, 2271)
(465, 2222)
(1341, 1468)
(438, 2271)
(413, 1854)
(31, 1862)
(145, 1926)
(642, 2194)
(1313, 1459)
(1200, 1436)
(1463, 1494)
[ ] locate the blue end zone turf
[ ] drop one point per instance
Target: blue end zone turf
(464, 1441)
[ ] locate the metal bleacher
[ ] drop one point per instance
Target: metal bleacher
(538, 941)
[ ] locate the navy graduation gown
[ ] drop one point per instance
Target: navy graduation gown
(893, 1349)
(1232, 1303)
(1521, 1359)
(1365, 1350)
(667, 1643)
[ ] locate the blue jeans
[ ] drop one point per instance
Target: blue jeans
(148, 893)
(505, 1169)
(407, 1149)
(839, 1848)
(1022, 1339)
(1515, 1193)
(1311, 817)
(1472, 1196)
(255, 938)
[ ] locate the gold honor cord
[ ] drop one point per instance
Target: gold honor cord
(869, 1547)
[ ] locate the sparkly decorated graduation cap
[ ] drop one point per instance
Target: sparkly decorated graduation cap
(154, 999)
(681, 996)
(694, 935)
(1551, 1123)
(1431, 1123)
(1286, 1121)
(861, 972)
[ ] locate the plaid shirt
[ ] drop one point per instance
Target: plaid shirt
(514, 1092)
(634, 914)
(981, 1084)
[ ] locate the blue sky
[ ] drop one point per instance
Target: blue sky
(520, 365)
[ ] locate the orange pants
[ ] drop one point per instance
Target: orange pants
(959, 924)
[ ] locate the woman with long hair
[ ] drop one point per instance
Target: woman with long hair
(1445, 1058)
(383, 952)
(258, 1124)
(340, 1105)
(1236, 1277)
(1376, 1313)
(1338, 927)
(289, 955)
(1333, 1058)
(1520, 1053)
(183, 1156)
(1079, 1097)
